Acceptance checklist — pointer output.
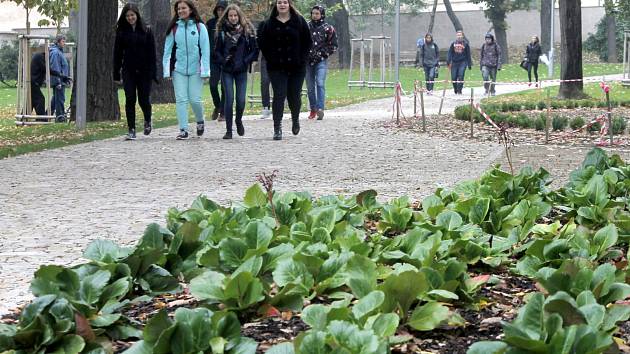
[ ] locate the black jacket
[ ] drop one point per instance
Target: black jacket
(285, 45)
(134, 51)
(38, 69)
(240, 55)
(533, 53)
(324, 39)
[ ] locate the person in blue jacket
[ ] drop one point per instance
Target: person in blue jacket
(187, 61)
(59, 77)
(458, 59)
(235, 50)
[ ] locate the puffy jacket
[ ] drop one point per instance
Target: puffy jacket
(242, 54)
(324, 39)
(192, 52)
(134, 51)
(59, 68)
(533, 53)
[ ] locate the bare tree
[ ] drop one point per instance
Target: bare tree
(451, 14)
(432, 21)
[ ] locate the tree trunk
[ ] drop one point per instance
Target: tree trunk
(545, 25)
(432, 21)
(158, 14)
(501, 38)
(102, 93)
(451, 14)
(571, 48)
(340, 21)
(611, 34)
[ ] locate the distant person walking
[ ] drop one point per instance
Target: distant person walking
(38, 77)
(324, 39)
(215, 70)
(135, 57)
(458, 59)
(490, 63)
(285, 40)
(429, 60)
(236, 49)
(59, 77)
(533, 52)
(187, 60)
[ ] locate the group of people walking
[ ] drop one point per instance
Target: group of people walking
(459, 59)
(223, 50)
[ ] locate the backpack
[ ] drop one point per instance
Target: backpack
(174, 50)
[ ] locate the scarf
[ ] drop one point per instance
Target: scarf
(233, 32)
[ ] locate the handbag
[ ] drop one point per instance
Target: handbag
(524, 64)
(437, 72)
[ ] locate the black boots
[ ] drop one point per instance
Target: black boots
(277, 133)
(295, 127)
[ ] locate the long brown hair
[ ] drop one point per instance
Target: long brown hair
(292, 9)
(123, 24)
(194, 14)
(246, 25)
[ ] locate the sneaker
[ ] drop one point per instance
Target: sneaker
(227, 136)
(148, 127)
(493, 94)
(221, 117)
(200, 128)
(60, 119)
(183, 135)
(131, 135)
(215, 114)
(266, 113)
(529, 84)
(313, 114)
(320, 114)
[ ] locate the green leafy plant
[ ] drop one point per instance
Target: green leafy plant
(559, 123)
(577, 123)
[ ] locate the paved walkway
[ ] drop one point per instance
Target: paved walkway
(54, 203)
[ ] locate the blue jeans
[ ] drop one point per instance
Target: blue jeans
(229, 80)
(458, 70)
(429, 75)
(316, 84)
(58, 101)
(489, 73)
(187, 90)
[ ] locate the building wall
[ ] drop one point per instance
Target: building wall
(522, 25)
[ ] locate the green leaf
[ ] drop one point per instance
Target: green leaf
(105, 251)
(605, 238)
(479, 211)
(152, 238)
(449, 220)
(105, 320)
(324, 218)
(158, 280)
(594, 314)
(258, 236)
(93, 286)
(55, 280)
(116, 290)
(361, 275)
(564, 305)
(246, 289)
(314, 342)
(232, 251)
(208, 286)
(402, 290)
(383, 324)
(488, 347)
(429, 316)
(531, 316)
(292, 272)
(367, 199)
(315, 316)
(444, 294)
(255, 197)
(155, 326)
(615, 313)
(282, 348)
(432, 205)
(368, 303)
(70, 344)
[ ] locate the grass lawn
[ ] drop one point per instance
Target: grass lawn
(617, 93)
(19, 140)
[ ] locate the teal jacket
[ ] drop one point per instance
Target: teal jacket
(192, 49)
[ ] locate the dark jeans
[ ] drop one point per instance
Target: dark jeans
(140, 83)
(529, 70)
(286, 85)
(264, 83)
(489, 73)
(229, 80)
(218, 98)
(58, 101)
(429, 75)
(38, 101)
(458, 70)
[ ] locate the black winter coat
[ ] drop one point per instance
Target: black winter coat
(285, 46)
(242, 54)
(134, 51)
(533, 53)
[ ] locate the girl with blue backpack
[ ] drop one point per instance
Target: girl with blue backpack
(235, 50)
(187, 61)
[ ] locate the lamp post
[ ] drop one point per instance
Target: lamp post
(81, 79)
(397, 43)
(551, 42)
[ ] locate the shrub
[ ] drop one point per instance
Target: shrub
(559, 122)
(587, 103)
(601, 104)
(529, 106)
(505, 107)
(625, 103)
(542, 105)
(595, 128)
(576, 123)
(539, 123)
(570, 104)
(512, 121)
(555, 104)
(614, 103)
(619, 125)
(491, 107)
(523, 121)
(462, 113)
(9, 61)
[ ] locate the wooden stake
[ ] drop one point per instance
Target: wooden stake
(424, 118)
(472, 107)
(548, 119)
(610, 121)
